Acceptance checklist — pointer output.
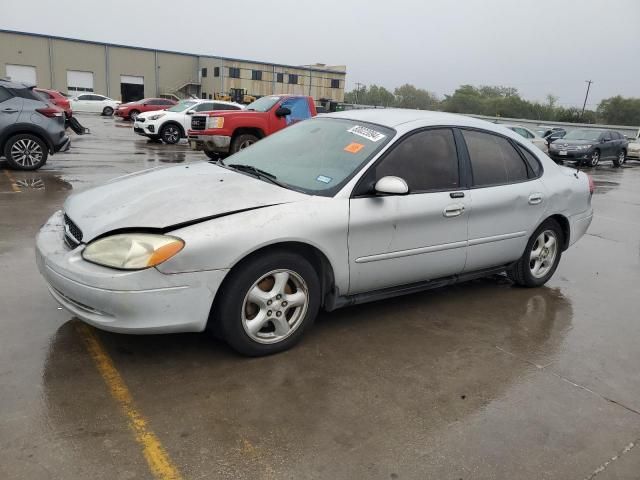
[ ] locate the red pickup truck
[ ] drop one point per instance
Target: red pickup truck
(226, 132)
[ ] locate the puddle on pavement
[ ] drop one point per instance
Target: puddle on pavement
(40, 181)
(604, 186)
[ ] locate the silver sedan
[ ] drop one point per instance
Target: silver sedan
(338, 210)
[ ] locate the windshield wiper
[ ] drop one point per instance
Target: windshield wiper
(270, 177)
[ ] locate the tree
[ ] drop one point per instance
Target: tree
(373, 95)
(408, 96)
(619, 111)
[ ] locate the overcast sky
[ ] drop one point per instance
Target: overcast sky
(537, 46)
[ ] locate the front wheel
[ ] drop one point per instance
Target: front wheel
(26, 152)
(107, 111)
(243, 141)
(267, 303)
(595, 158)
(171, 133)
(620, 158)
(133, 114)
(540, 258)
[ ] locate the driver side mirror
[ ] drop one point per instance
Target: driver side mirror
(283, 112)
(391, 186)
(191, 112)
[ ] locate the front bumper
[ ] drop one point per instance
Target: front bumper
(635, 154)
(121, 113)
(571, 155)
(212, 143)
(145, 129)
(142, 301)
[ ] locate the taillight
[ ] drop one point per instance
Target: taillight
(592, 185)
(49, 111)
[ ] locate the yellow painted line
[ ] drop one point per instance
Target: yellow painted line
(12, 181)
(156, 456)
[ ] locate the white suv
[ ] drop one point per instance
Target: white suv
(172, 124)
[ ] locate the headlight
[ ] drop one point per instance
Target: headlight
(215, 122)
(132, 251)
(157, 116)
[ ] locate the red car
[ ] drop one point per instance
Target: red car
(57, 98)
(132, 109)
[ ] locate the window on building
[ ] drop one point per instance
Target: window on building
(216, 71)
(335, 83)
(204, 95)
(494, 161)
(293, 79)
(427, 161)
(234, 72)
(210, 96)
(203, 72)
(280, 77)
(256, 74)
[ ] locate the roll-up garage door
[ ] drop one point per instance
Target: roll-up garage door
(79, 82)
(131, 88)
(22, 73)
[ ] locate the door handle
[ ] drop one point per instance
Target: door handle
(453, 210)
(535, 198)
(456, 194)
(9, 110)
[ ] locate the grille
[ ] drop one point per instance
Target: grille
(198, 123)
(72, 234)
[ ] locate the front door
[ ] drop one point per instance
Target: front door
(398, 240)
(507, 200)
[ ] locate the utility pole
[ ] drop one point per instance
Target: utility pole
(589, 82)
(358, 85)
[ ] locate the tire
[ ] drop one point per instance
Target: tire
(595, 158)
(212, 155)
(522, 272)
(133, 114)
(273, 278)
(107, 111)
(620, 158)
(26, 152)
(171, 133)
(242, 141)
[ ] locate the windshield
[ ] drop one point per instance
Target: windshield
(182, 106)
(315, 156)
(263, 104)
(583, 134)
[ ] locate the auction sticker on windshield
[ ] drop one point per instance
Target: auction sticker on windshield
(353, 147)
(367, 133)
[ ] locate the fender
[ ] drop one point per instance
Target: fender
(23, 127)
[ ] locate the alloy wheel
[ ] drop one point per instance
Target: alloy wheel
(595, 159)
(26, 152)
(275, 306)
(171, 134)
(543, 253)
(621, 157)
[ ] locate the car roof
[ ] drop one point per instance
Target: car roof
(409, 119)
(11, 84)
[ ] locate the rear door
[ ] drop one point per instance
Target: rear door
(507, 200)
(609, 146)
(10, 108)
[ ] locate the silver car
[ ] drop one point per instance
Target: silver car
(342, 209)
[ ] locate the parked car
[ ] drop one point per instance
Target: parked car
(633, 149)
(57, 98)
(172, 124)
(229, 132)
(30, 128)
(534, 138)
(131, 110)
(589, 146)
(94, 103)
(550, 133)
(337, 210)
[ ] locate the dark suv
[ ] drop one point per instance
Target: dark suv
(30, 128)
(588, 146)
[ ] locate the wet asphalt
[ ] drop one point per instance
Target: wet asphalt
(478, 381)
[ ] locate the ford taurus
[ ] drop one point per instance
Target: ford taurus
(338, 210)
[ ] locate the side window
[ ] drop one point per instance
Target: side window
(299, 107)
(4, 94)
(493, 160)
(96, 98)
(222, 106)
(606, 136)
(527, 133)
(426, 160)
(166, 102)
(85, 97)
(534, 163)
(204, 107)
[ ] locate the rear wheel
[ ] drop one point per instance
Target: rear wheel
(243, 141)
(26, 152)
(541, 256)
(107, 111)
(620, 158)
(171, 133)
(267, 303)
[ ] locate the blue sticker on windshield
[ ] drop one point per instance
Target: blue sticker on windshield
(323, 179)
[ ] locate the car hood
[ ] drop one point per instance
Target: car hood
(562, 141)
(169, 198)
